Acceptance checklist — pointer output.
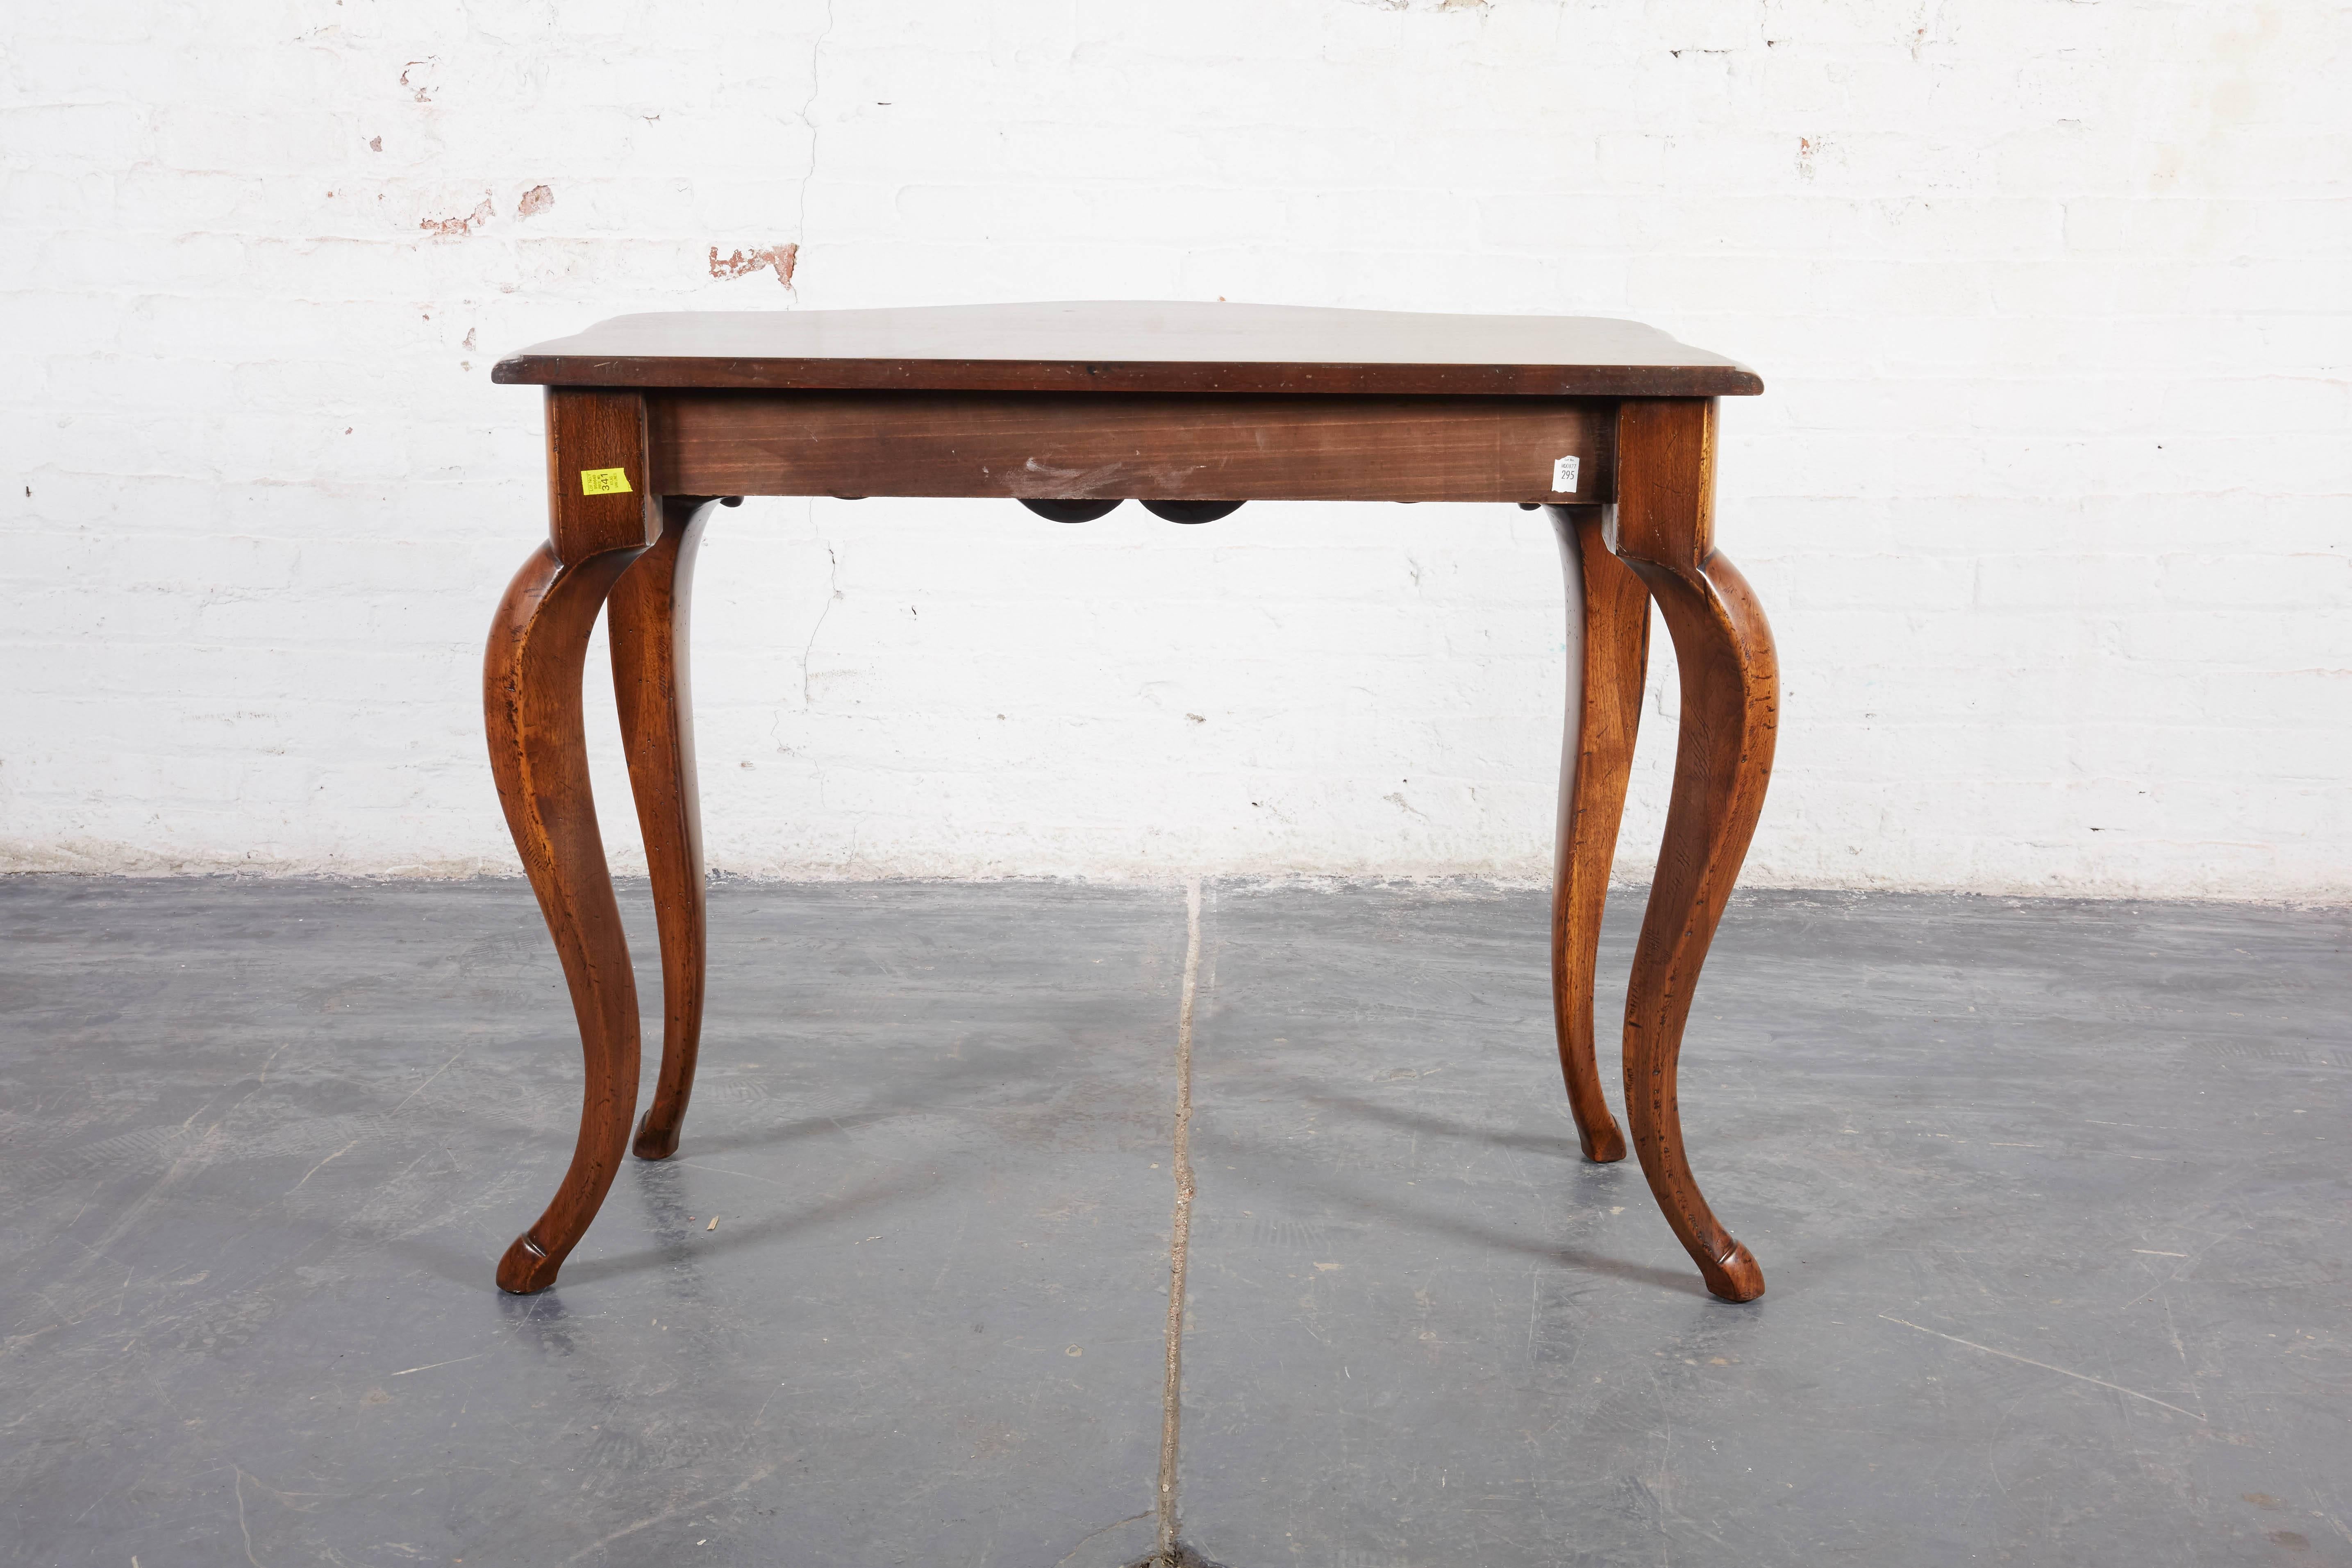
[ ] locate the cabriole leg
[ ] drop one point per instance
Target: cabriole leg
(1664, 529)
(649, 628)
(530, 699)
(1605, 709)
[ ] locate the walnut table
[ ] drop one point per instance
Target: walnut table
(652, 420)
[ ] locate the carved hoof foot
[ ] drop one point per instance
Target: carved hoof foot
(654, 1142)
(1737, 1276)
(525, 1270)
(1603, 1145)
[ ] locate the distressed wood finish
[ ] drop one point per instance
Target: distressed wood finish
(538, 755)
(1134, 346)
(648, 628)
(1180, 407)
(1730, 695)
(1074, 447)
(1611, 656)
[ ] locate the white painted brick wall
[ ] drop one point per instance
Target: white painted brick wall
(2048, 499)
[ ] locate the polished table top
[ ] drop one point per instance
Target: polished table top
(1130, 346)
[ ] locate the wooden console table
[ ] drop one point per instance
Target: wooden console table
(652, 420)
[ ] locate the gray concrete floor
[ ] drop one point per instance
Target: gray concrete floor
(2051, 1199)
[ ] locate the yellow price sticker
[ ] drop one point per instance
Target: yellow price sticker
(603, 482)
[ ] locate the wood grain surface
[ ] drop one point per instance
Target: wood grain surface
(1047, 446)
(1664, 530)
(1605, 712)
(538, 755)
(649, 628)
(595, 432)
(1133, 346)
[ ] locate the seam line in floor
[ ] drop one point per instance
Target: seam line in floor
(1180, 1228)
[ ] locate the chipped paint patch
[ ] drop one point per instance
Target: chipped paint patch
(535, 200)
(457, 227)
(783, 259)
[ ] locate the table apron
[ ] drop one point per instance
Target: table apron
(1056, 445)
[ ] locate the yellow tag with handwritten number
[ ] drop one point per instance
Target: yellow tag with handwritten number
(603, 482)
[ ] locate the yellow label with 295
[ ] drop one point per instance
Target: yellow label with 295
(603, 482)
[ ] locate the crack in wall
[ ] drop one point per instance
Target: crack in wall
(816, 86)
(808, 649)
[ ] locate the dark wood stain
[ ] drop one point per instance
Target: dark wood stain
(1068, 446)
(1107, 346)
(1183, 404)
(1605, 712)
